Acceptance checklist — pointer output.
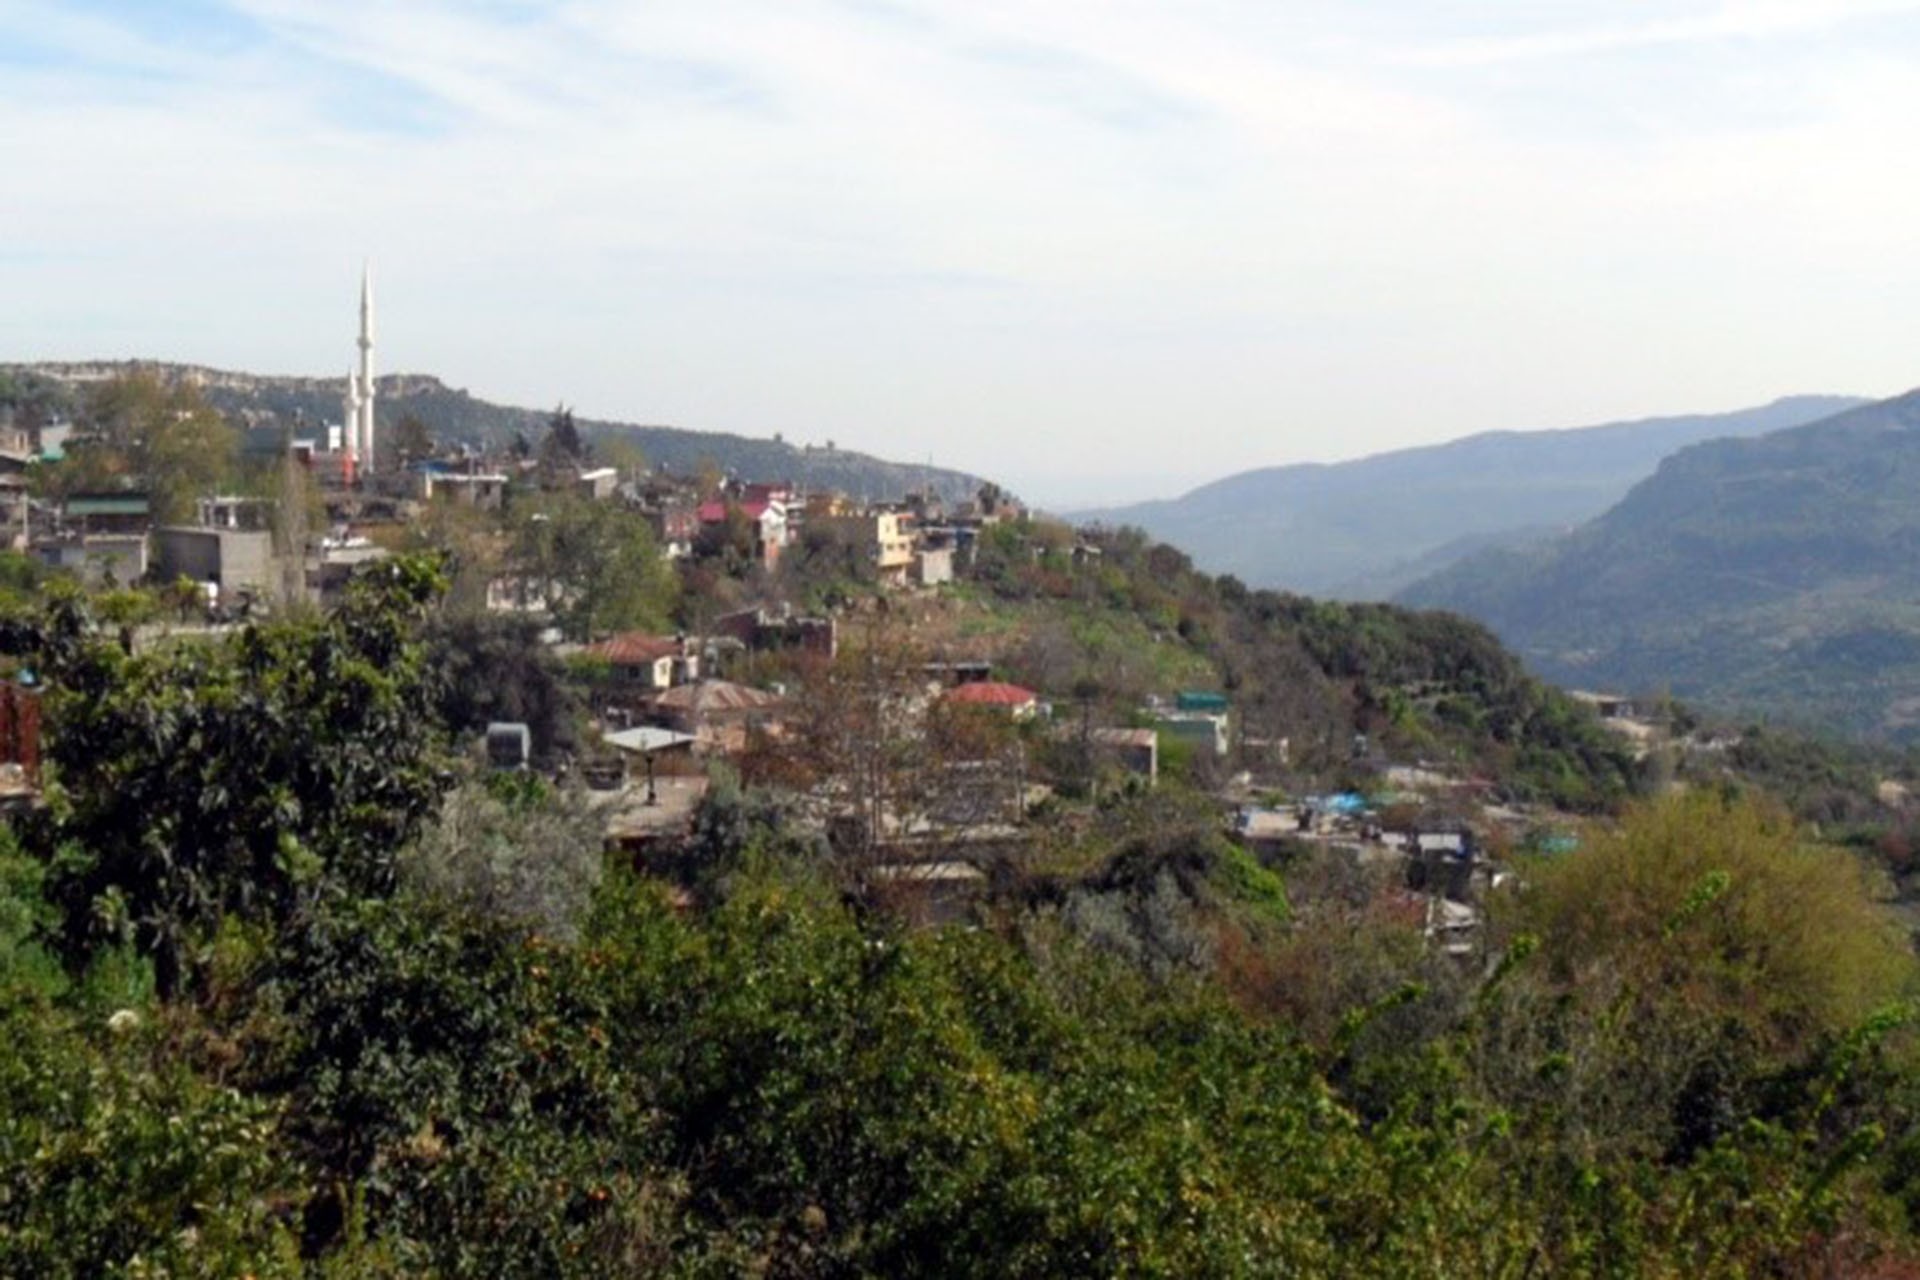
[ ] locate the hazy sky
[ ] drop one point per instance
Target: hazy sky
(1092, 249)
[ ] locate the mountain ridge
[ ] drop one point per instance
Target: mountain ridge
(454, 414)
(1335, 528)
(1778, 575)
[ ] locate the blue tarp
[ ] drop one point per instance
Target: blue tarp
(1346, 802)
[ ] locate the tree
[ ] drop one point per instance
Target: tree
(412, 441)
(595, 564)
(472, 549)
(522, 853)
(1685, 957)
(247, 775)
(165, 437)
(728, 541)
(623, 454)
(894, 763)
(495, 668)
(562, 448)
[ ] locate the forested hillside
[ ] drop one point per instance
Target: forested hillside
(1774, 576)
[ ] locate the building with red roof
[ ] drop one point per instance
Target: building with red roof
(768, 516)
(648, 661)
(996, 695)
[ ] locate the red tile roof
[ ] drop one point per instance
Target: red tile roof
(715, 512)
(635, 649)
(992, 693)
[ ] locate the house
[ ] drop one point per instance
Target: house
(15, 436)
(229, 563)
(117, 513)
(109, 559)
(1137, 751)
(486, 490)
(762, 630)
(768, 520)
(962, 671)
(883, 538)
(996, 696)
(332, 564)
(1196, 700)
(1607, 706)
(1203, 730)
(780, 491)
(675, 524)
(597, 483)
(827, 505)
(933, 566)
(718, 713)
(1197, 717)
(647, 662)
(1441, 862)
(328, 464)
(52, 440)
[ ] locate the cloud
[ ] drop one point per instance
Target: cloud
(1739, 21)
(1025, 238)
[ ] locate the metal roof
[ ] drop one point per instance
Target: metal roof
(647, 739)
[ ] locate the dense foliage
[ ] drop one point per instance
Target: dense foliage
(404, 1031)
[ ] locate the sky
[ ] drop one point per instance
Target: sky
(1097, 251)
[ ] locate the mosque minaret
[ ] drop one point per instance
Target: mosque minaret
(360, 391)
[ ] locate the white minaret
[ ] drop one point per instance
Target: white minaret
(360, 429)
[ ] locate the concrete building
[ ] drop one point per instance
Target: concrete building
(883, 537)
(231, 563)
(597, 483)
(933, 566)
(485, 490)
(232, 512)
(108, 559)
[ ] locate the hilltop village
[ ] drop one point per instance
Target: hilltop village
(433, 855)
(938, 689)
(675, 623)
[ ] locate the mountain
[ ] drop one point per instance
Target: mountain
(452, 415)
(1364, 529)
(1778, 574)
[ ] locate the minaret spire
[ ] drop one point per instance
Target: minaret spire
(362, 426)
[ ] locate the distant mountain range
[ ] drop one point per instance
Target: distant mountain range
(1367, 528)
(1778, 574)
(452, 415)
